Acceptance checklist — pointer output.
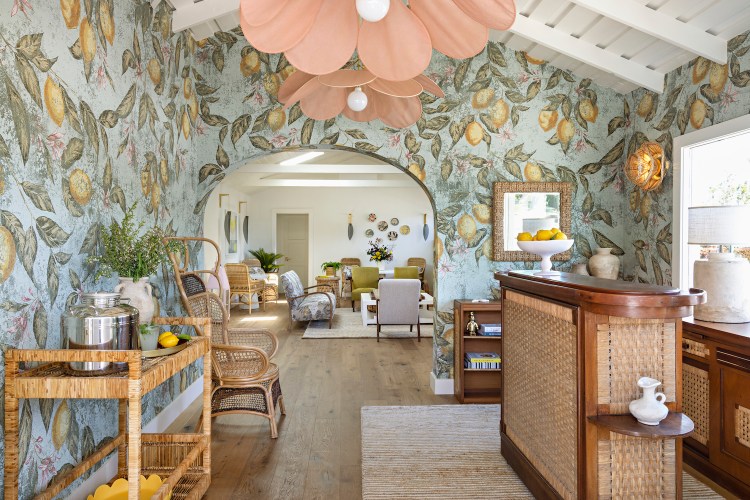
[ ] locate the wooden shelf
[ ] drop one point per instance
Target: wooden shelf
(476, 385)
(674, 426)
(471, 370)
(476, 396)
(482, 337)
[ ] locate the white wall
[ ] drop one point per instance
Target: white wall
(213, 224)
(329, 208)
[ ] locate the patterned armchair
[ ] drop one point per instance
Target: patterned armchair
(306, 306)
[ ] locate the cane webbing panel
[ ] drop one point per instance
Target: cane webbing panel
(539, 393)
(695, 400)
(637, 468)
(742, 425)
(695, 348)
(629, 349)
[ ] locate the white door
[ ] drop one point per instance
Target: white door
(292, 243)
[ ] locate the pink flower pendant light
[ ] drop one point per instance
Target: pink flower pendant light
(322, 97)
(320, 36)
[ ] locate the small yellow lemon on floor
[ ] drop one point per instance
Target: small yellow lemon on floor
(524, 236)
(559, 236)
(544, 235)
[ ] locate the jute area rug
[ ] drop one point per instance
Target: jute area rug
(450, 451)
(348, 325)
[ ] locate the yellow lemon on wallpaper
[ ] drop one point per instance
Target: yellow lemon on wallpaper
(525, 236)
(589, 111)
(271, 82)
(482, 98)
(106, 23)
(565, 131)
(71, 12)
(532, 172)
(155, 195)
(192, 105)
(187, 87)
(417, 171)
(466, 227)
(533, 60)
(250, 63)
(697, 113)
(544, 235)
(438, 248)
(87, 38)
(645, 105)
(164, 171)
(474, 133)
(276, 118)
(560, 236)
(482, 213)
(146, 181)
(53, 99)
(185, 124)
(547, 119)
(7, 253)
(154, 70)
(645, 208)
(80, 186)
(499, 113)
(700, 69)
(717, 76)
(61, 425)
(286, 71)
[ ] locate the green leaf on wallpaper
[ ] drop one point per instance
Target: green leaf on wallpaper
(20, 119)
(208, 170)
(495, 55)
(71, 111)
(567, 175)
(477, 239)
(330, 138)
(104, 138)
(438, 122)
(239, 127)
(736, 42)
(437, 146)
(217, 57)
(307, 130)
(221, 157)
(29, 45)
(28, 250)
(614, 124)
(53, 279)
(62, 258)
(515, 96)
(513, 169)
(682, 120)
(24, 431)
(665, 234)
(371, 148)
(43, 63)
(52, 234)
(479, 85)
(76, 52)
(261, 142)
(533, 89)
(488, 123)
(108, 118)
(460, 75)
(446, 169)
(12, 307)
(118, 196)
(38, 195)
(605, 242)
(90, 241)
(4, 151)
(583, 246)
(71, 204)
(672, 96)
(355, 133)
(295, 112)
(553, 80)
(72, 152)
(658, 276)
(40, 326)
(609, 181)
(29, 79)
(223, 133)
(666, 120)
(261, 122)
(588, 204)
(614, 154)
(411, 143)
(75, 281)
(203, 90)
(602, 215)
(201, 205)
(641, 257)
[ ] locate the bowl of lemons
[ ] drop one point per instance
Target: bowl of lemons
(545, 243)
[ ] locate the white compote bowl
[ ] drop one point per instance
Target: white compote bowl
(545, 249)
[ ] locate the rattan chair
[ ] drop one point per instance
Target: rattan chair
(241, 285)
(271, 288)
(421, 263)
(408, 272)
(364, 280)
(347, 263)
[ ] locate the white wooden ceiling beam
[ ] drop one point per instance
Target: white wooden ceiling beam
(193, 14)
(661, 26)
(588, 53)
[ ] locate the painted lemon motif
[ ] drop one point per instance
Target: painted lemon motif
(61, 425)
(499, 113)
(192, 105)
(287, 71)
(53, 99)
(71, 12)
(487, 248)
(250, 63)
(467, 227)
(700, 69)
(645, 105)
(438, 248)
(533, 60)
(87, 38)
(482, 98)
(7, 253)
(164, 171)
(589, 110)
(717, 76)
(474, 133)
(187, 87)
(276, 118)
(106, 23)
(547, 119)
(154, 70)
(697, 113)
(146, 181)
(565, 131)
(482, 213)
(185, 124)
(532, 172)
(80, 186)
(155, 195)
(271, 82)
(418, 171)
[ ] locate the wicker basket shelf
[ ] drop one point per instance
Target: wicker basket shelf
(675, 425)
(182, 460)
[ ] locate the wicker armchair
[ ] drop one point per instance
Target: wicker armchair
(421, 263)
(271, 288)
(306, 306)
(243, 286)
(347, 263)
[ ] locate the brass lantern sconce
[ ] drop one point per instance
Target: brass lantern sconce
(647, 167)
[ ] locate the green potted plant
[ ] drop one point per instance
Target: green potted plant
(134, 256)
(330, 267)
(267, 259)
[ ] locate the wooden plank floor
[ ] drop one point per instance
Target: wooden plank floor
(325, 383)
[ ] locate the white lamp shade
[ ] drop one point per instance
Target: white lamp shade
(357, 100)
(725, 225)
(373, 10)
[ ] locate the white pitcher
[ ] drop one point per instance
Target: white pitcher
(140, 296)
(650, 408)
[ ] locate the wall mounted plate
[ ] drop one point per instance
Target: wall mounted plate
(392, 235)
(394, 222)
(405, 230)
(382, 225)
(372, 217)
(369, 233)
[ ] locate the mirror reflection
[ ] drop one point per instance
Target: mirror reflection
(529, 212)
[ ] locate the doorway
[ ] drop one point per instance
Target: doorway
(293, 242)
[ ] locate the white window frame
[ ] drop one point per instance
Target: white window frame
(682, 272)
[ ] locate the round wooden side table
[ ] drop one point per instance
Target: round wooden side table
(329, 284)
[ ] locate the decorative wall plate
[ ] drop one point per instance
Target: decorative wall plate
(392, 235)
(394, 222)
(405, 230)
(382, 225)
(369, 233)
(372, 217)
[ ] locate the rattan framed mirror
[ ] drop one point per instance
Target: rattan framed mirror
(528, 206)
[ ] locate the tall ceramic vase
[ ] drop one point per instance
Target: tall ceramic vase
(139, 293)
(604, 265)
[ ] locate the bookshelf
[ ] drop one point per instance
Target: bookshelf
(475, 385)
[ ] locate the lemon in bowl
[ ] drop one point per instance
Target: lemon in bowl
(546, 249)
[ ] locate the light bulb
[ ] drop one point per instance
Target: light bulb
(357, 100)
(373, 10)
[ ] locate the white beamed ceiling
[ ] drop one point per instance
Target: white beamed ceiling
(619, 44)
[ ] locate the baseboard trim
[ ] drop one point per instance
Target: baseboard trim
(159, 423)
(441, 386)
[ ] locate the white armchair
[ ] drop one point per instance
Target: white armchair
(398, 304)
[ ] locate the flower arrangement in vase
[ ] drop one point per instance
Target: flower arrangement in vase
(379, 252)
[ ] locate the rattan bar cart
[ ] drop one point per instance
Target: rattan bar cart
(182, 460)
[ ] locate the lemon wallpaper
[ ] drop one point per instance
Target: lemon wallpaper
(104, 107)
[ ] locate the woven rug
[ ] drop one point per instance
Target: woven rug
(450, 451)
(348, 325)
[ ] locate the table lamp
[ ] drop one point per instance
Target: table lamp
(723, 275)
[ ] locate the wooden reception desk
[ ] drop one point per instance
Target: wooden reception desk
(573, 348)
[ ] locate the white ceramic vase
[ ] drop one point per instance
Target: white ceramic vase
(650, 408)
(580, 269)
(139, 293)
(604, 265)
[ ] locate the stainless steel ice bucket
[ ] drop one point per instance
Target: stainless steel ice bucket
(100, 322)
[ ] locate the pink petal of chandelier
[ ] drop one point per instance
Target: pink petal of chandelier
(320, 36)
(322, 97)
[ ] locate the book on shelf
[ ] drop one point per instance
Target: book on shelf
(490, 330)
(479, 360)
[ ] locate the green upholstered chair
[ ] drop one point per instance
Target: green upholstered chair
(364, 280)
(408, 272)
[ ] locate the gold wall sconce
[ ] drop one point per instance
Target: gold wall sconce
(221, 195)
(647, 167)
